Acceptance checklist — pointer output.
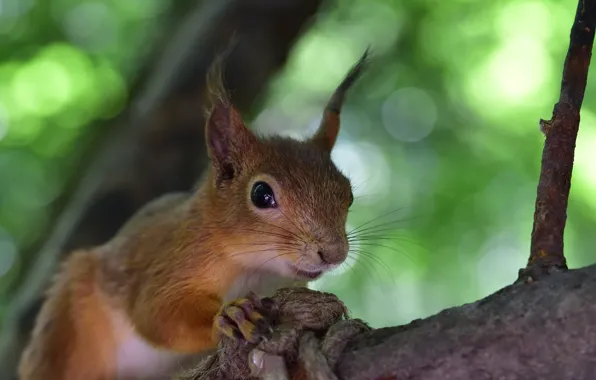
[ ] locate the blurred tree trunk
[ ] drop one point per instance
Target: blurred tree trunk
(156, 145)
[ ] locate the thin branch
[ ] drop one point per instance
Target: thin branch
(546, 252)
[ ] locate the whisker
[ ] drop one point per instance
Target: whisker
(264, 243)
(404, 238)
(378, 226)
(345, 262)
(367, 195)
(258, 268)
(284, 229)
(370, 268)
(298, 226)
(389, 232)
(374, 219)
(379, 261)
(384, 289)
(396, 239)
(285, 251)
(393, 249)
(381, 224)
(353, 268)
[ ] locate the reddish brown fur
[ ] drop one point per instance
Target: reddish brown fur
(166, 274)
(74, 315)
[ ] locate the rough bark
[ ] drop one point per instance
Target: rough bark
(539, 330)
(542, 330)
(157, 143)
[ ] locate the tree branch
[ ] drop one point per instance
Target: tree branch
(157, 143)
(545, 330)
(541, 330)
(546, 252)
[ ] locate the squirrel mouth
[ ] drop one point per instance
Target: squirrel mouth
(307, 274)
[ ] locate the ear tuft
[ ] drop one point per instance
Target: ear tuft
(216, 93)
(326, 135)
(226, 136)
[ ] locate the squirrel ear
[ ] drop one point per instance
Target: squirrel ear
(226, 135)
(227, 139)
(326, 135)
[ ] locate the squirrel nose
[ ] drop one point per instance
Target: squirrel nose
(333, 253)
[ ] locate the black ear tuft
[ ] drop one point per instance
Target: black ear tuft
(227, 138)
(326, 135)
(215, 91)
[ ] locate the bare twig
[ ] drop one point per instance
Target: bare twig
(546, 252)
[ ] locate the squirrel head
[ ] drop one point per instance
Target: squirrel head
(280, 204)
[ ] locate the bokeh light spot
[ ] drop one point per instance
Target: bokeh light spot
(529, 18)
(270, 119)
(320, 61)
(91, 25)
(515, 70)
(10, 9)
(375, 23)
(113, 96)
(83, 78)
(409, 114)
(584, 171)
(42, 86)
(511, 77)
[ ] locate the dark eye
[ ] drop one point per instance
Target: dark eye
(351, 198)
(262, 195)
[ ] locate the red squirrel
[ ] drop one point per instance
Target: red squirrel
(270, 212)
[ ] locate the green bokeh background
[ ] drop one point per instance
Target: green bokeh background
(440, 138)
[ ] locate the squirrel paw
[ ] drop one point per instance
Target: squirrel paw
(245, 319)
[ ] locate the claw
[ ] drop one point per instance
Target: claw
(243, 319)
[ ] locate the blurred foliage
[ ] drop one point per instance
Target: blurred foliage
(66, 68)
(440, 137)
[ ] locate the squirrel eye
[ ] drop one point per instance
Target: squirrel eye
(351, 198)
(262, 195)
